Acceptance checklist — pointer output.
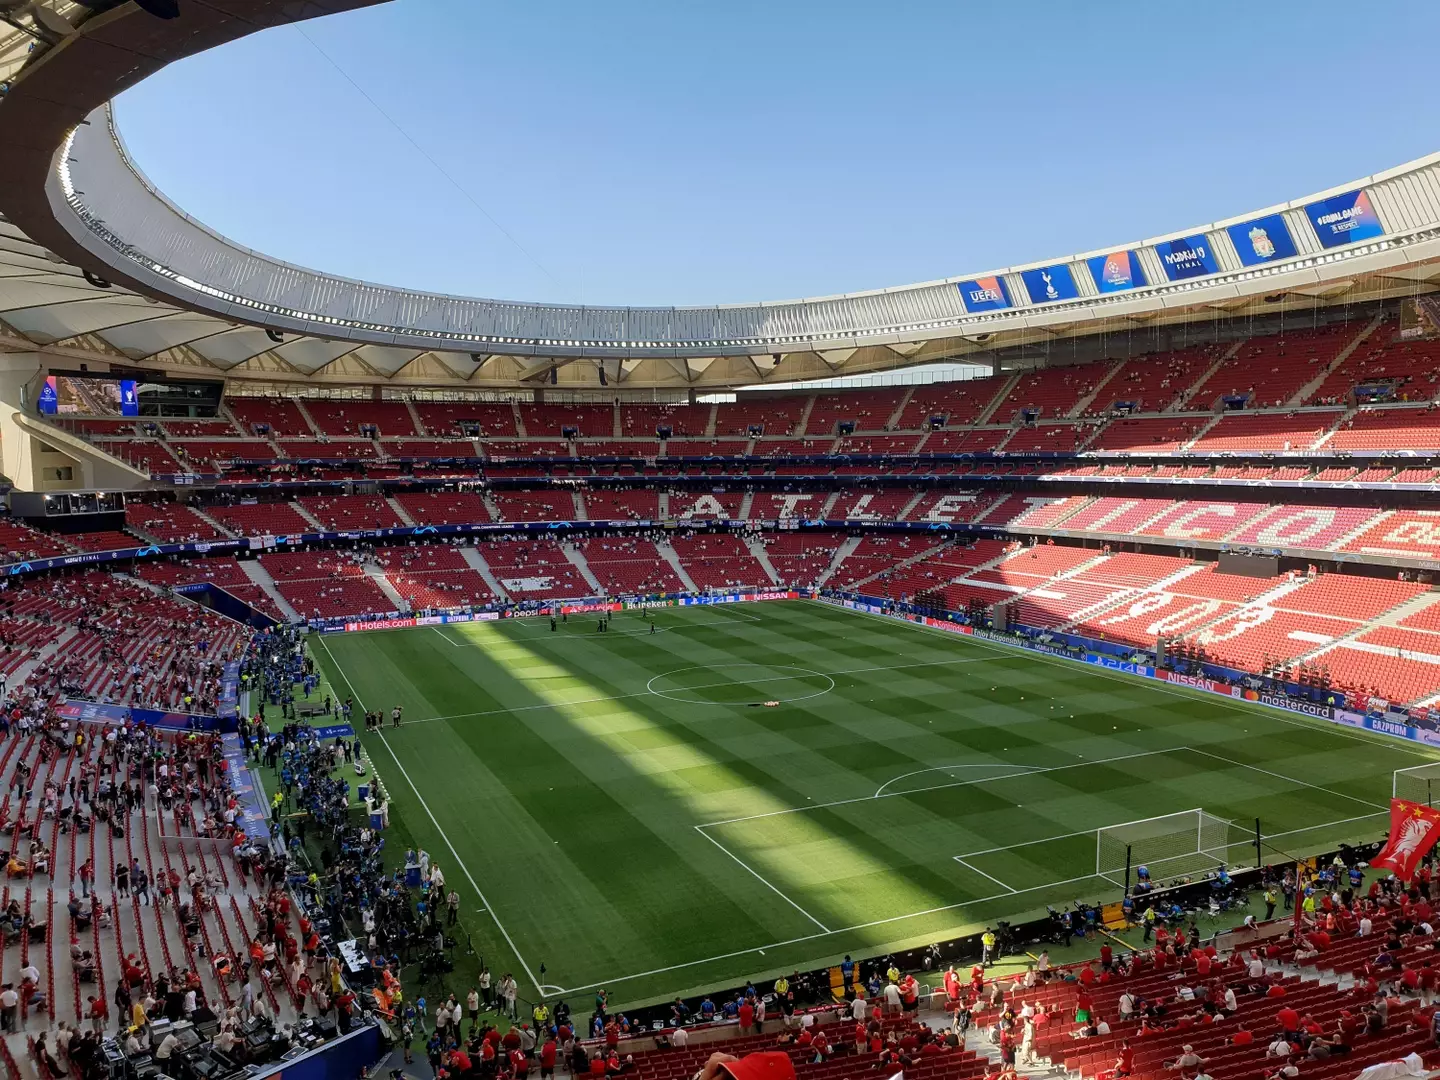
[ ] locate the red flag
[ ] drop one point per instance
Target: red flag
(1414, 829)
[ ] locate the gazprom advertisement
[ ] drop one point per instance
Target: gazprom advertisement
(1048, 284)
(1187, 257)
(1117, 272)
(1262, 240)
(1345, 219)
(985, 294)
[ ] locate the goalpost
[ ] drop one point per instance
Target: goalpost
(1171, 845)
(1419, 783)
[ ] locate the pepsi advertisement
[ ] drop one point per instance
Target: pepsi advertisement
(1345, 219)
(1117, 272)
(985, 294)
(1047, 284)
(1262, 240)
(1187, 257)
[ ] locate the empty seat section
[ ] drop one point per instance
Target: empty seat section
(867, 409)
(618, 448)
(528, 448)
(547, 504)
(170, 522)
(950, 507)
(281, 415)
(1150, 434)
(1411, 534)
(328, 449)
(1254, 639)
(325, 584)
(870, 505)
(800, 558)
(589, 421)
(102, 540)
(1202, 520)
(975, 441)
(197, 453)
(1389, 429)
(430, 448)
(1116, 515)
(1051, 392)
(645, 421)
(624, 505)
(1155, 383)
(875, 555)
(878, 444)
(444, 418)
(444, 507)
(1055, 438)
(630, 566)
(954, 404)
(698, 448)
(197, 429)
(1269, 371)
(346, 512)
(434, 576)
(146, 455)
(770, 506)
(261, 519)
(533, 570)
(1266, 431)
(1409, 370)
(687, 505)
(775, 414)
(719, 561)
(19, 541)
(390, 418)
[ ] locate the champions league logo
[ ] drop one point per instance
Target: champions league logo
(1261, 243)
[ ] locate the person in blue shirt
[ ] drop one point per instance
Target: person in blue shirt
(873, 986)
(731, 1009)
(847, 970)
(707, 1009)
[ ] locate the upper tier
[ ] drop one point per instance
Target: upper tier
(67, 183)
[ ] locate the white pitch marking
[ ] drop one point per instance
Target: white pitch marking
(444, 835)
(760, 878)
(982, 873)
(946, 768)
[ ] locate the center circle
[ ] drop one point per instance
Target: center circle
(741, 684)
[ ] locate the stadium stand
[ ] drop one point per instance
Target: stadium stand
(434, 576)
(718, 561)
(276, 417)
(325, 584)
(628, 566)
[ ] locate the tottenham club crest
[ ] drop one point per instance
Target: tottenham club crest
(1261, 242)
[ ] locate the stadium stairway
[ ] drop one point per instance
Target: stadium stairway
(671, 556)
(763, 558)
(519, 420)
(304, 412)
(1341, 420)
(477, 563)
(992, 406)
(858, 586)
(1086, 400)
(893, 420)
(1304, 393)
(846, 548)
(203, 516)
(415, 417)
(256, 572)
(377, 575)
(320, 526)
(577, 560)
(745, 504)
(400, 512)
(1180, 403)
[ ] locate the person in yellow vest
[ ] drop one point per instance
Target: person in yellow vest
(541, 1015)
(987, 946)
(1271, 899)
(893, 974)
(782, 986)
(1149, 920)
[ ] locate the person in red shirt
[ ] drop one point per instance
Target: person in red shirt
(1125, 1063)
(1242, 1038)
(1288, 1019)
(952, 984)
(1275, 991)
(1087, 976)
(547, 1058)
(520, 1064)
(597, 1065)
(747, 1017)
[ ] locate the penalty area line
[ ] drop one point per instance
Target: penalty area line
(760, 878)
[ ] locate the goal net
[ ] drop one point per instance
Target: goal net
(1419, 783)
(1172, 845)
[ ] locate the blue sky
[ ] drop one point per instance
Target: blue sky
(687, 153)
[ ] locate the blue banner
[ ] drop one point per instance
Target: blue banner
(985, 294)
(1262, 240)
(129, 399)
(1048, 284)
(1116, 272)
(1345, 219)
(1187, 257)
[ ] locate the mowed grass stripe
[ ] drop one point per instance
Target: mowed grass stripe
(626, 889)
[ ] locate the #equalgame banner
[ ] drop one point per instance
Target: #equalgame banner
(1187, 257)
(984, 294)
(1262, 240)
(1048, 284)
(1345, 219)
(1119, 271)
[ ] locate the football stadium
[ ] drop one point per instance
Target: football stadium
(1030, 671)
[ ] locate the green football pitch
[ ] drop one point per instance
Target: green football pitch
(624, 809)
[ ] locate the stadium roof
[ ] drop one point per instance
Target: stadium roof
(95, 261)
